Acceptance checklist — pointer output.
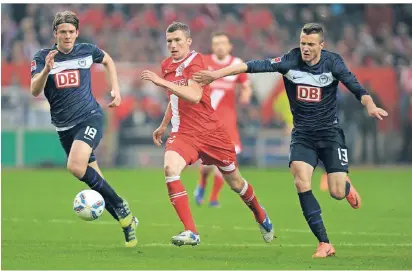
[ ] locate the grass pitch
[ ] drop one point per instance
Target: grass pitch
(41, 231)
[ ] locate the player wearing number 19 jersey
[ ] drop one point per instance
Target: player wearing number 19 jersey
(223, 98)
(311, 76)
(63, 72)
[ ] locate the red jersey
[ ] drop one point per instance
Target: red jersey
(189, 118)
(223, 94)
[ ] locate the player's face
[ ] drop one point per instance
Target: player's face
(178, 44)
(310, 47)
(221, 46)
(66, 34)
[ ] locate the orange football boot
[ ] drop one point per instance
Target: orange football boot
(353, 197)
(324, 250)
(324, 182)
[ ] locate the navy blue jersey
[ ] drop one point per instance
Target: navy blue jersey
(69, 88)
(311, 89)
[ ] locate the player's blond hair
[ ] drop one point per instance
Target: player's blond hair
(65, 17)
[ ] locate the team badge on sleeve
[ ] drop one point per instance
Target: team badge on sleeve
(276, 60)
(33, 65)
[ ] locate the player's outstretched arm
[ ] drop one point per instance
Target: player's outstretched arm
(205, 77)
(114, 83)
(38, 81)
(254, 66)
(192, 92)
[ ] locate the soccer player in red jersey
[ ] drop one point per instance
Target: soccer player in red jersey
(196, 133)
(223, 98)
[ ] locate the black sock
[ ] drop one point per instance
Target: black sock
(97, 183)
(110, 209)
(347, 188)
(312, 212)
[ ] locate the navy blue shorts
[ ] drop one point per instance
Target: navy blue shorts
(89, 131)
(327, 145)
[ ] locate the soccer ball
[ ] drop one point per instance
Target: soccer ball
(88, 205)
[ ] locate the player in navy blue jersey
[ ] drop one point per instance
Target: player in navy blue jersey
(63, 72)
(311, 76)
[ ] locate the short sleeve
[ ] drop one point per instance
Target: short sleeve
(97, 54)
(37, 64)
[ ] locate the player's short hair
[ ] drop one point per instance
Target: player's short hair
(178, 26)
(220, 33)
(65, 17)
(313, 28)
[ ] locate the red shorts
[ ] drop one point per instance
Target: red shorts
(214, 148)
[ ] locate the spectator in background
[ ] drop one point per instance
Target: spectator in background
(369, 131)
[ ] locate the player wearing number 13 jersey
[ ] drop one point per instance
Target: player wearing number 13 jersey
(311, 76)
(63, 72)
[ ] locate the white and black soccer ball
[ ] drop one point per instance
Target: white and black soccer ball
(88, 205)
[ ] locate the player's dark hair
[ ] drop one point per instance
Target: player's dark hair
(65, 17)
(313, 28)
(179, 26)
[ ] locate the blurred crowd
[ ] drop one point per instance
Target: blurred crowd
(368, 34)
(365, 35)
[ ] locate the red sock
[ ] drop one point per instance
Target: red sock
(180, 201)
(248, 196)
(203, 176)
(217, 186)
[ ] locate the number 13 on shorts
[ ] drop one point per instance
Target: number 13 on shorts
(343, 155)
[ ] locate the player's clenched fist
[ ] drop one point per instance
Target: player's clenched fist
(204, 77)
(49, 61)
(157, 135)
(151, 76)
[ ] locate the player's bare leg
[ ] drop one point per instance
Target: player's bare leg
(173, 166)
(218, 182)
(302, 173)
(340, 187)
(77, 164)
(129, 231)
(246, 193)
(199, 193)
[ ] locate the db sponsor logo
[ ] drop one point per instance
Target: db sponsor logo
(67, 79)
(308, 94)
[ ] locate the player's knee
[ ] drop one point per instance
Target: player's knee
(302, 181)
(171, 170)
(337, 193)
(302, 184)
(235, 181)
(77, 169)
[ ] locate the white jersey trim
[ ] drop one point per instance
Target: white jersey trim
(319, 80)
(73, 64)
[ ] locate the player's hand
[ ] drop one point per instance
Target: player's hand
(116, 98)
(245, 97)
(377, 112)
(49, 61)
(204, 77)
(157, 135)
(151, 76)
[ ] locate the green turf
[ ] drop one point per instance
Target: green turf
(40, 230)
